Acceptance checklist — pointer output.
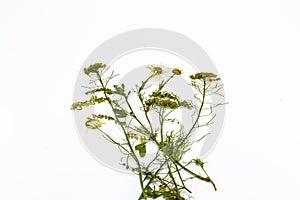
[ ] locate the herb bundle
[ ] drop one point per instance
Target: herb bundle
(165, 174)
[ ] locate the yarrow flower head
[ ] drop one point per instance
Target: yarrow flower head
(94, 68)
(205, 76)
(93, 122)
(177, 71)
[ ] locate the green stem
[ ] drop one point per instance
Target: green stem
(173, 179)
(182, 182)
(127, 139)
(113, 141)
(160, 87)
(161, 113)
(199, 111)
(152, 178)
(208, 176)
(161, 121)
(206, 179)
(141, 100)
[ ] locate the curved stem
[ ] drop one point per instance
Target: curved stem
(141, 100)
(112, 140)
(180, 177)
(206, 179)
(173, 179)
(199, 111)
(127, 139)
(160, 87)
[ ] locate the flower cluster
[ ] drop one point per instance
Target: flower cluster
(93, 122)
(167, 100)
(177, 71)
(186, 104)
(93, 100)
(94, 68)
(205, 76)
(166, 103)
(104, 90)
(164, 94)
(105, 117)
(137, 137)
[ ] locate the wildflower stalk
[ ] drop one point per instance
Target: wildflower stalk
(127, 140)
(173, 180)
(142, 102)
(161, 120)
(199, 111)
(165, 82)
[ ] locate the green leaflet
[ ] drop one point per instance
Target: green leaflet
(141, 148)
(121, 113)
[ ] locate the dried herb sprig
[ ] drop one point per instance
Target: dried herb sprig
(166, 173)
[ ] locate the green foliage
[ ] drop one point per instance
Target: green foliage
(141, 148)
(119, 89)
(166, 174)
(120, 113)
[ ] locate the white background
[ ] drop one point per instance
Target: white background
(254, 44)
